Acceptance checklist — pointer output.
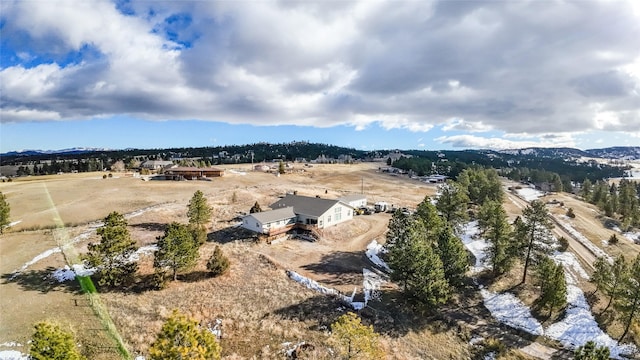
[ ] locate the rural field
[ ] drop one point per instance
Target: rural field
(262, 312)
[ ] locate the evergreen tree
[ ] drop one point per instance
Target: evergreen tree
(557, 183)
(281, 168)
(610, 278)
(218, 263)
(255, 208)
(356, 340)
(177, 250)
(399, 246)
(199, 211)
(452, 204)
(628, 302)
(427, 283)
(590, 351)
(601, 275)
(51, 342)
(5, 210)
(628, 204)
(112, 255)
(454, 257)
(533, 234)
(481, 185)
(600, 194)
(553, 285)
(492, 221)
(428, 214)
(182, 338)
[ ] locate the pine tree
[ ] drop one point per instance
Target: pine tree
(481, 184)
(218, 263)
(454, 257)
(255, 208)
(611, 278)
(628, 302)
(414, 261)
(5, 210)
(557, 183)
(553, 285)
(356, 340)
(51, 342)
(182, 338)
(492, 221)
(587, 189)
(452, 204)
(112, 255)
(534, 234)
(177, 250)
(428, 214)
(590, 351)
(398, 248)
(427, 283)
(199, 211)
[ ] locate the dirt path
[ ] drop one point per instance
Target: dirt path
(585, 255)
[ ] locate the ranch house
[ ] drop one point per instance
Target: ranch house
(298, 211)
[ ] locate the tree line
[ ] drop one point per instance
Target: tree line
(429, 261)
(619, 201)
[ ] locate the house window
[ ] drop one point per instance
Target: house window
(257, 224)
(338, 213)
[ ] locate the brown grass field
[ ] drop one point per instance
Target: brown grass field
(259, 306)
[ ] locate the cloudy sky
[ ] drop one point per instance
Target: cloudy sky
(370, 74)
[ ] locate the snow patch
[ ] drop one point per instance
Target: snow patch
(13, 355)
(371, 284)
(529, 194)
(10, 344)
(237, 172)
(373, 251)
(66, 273)
(14, 223)
(509, 310)
(477, 246)
(583, 240)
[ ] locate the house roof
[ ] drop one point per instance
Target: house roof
(305, 205)
(196, 169)
(274, 215)
(353, 197)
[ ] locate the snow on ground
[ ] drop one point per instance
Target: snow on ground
(13, 355)
(39, 257)
(371, 284)
(313, 285)
(509, 310)
(66, 273)
(373, 249)
(14, 223)
(529, 194)
(583, 240)
(10, 344)
(477, 246)
(578, 325)
(92, 227)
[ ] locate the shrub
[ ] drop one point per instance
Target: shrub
(613, 239)
(104, 176)
(563, 244)
(571, 214)
(51, 342)
(218, 263)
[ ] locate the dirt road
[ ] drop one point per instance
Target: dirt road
(586, 257)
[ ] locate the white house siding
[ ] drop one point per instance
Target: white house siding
(253, 224)
(335, 215)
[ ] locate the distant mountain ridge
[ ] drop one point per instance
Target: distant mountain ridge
(617, 152)
(75, 150)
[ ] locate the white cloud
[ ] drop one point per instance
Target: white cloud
(477, 142)
(462, 66)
